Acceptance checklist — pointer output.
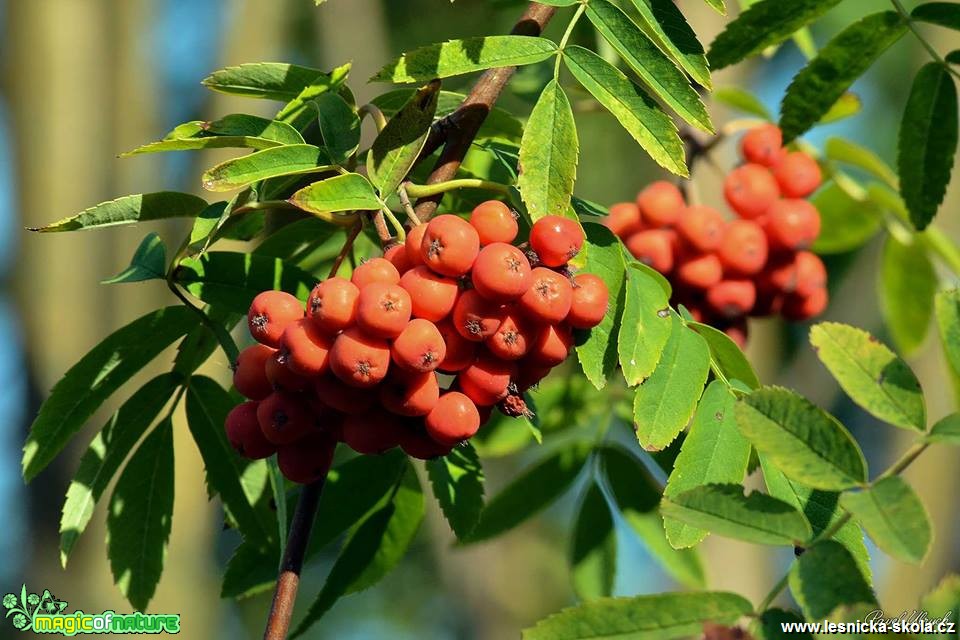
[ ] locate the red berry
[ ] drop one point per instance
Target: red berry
(269, 315)
(624, 219)
(549, 297)
(798, 175)
(454, 418)
(332, 305)
(460, 352)
(660, 204)
(417, 444)
(763, 145)
(654, 248)
(551, 346)
(419, 347)
(501, 272)
(410, 394)
(744, 248)
(449, 245)
(792, 224)
(284, 418)
(383, 310)
(412, 245)
(307, 461)
(397, 256)
(512, 338)
(341, 397)
(589, 303)
(375, 270)
(556, 240)
(305, 348)
(431, 295)
(701, 228)
(244, 434)
(529, 374)
(494, 222)
(811, 273)
(249, 374)
(732, 298)
(475, 317)
(799, 308)
(486, 380)
(358, 359)
(373, 432)
(750, 190)
(281, 376)
(699, 271)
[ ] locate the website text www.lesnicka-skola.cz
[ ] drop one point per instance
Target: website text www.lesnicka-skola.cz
(938, 627)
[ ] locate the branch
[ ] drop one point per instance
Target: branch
(461, 127)
(289, 579)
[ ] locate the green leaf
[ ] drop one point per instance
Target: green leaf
(129, 210)
(340, 193)
(89, 382)
(652, 617)
(718, 6)
(456, 57)
(293, 159)
(106, 453)
(893, 517)
(725, 510)
(822, 510)
(669, 30)
(825, 577)
(207, 407)
(802, 440)
(278, 488)
(853, 154)
(536, 488)
(928, 142)
(825, 78)
(726, 355)
(232, 280)
(846, 106)
(339, 126)
(908, 284)
(645, 328)
(713, 452)
(762, 25)
(953, 57)
(665, 402)
(499, 123)
(251, 569)
(656, 70)
(947, 306)
(603, 257)
(633, 109)
(548, 155)
(457, 480)
(398, 146)
(149, 262)
(593, 552)
(944, 14)
(139, 517)
(944, 599)
(742, 100)
(242, 124)
(872, 375)
(846, 223)
(235, 130)
(299, 111)
(637, 495)
(271, 80)
(946, 430)
(769, 626)
(373, 549)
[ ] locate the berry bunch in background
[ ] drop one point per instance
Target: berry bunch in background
(417, 347)
(757, 263)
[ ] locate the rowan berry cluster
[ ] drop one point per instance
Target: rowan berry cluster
(417, 348)
(756, 264)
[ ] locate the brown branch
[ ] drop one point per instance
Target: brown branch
(347, 246)
(288, 581)
(461, 127)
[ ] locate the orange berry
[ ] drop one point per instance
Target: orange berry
(511, 340)
(396, 255)
(383, 310)
(654, 248)
(412, 245)
(454, 418)
(732, 298)
(624, 219)
(486, 380)
(307, 461)
(449, 245)
(750, 190)
(501, 272)
(811, 273)
(460, 352)
(556, 240)
(332, 304)
(494, 222)
(270, 313)
(798, 175)
(588, 306)
(798, 308)
(244, 434)
(701, 228)
(660, 204)
(431, 295)
(249, 374)
(763, 145)
(551, 346)
(419, 347)
(549, 297)
(699, 271)
(341, 397)
(475, 317)
(744, 248)
(375, 270)
(305, 348)
(792, 224)
(374, 432)
(284, 418)
(358, 359)
(410, 394)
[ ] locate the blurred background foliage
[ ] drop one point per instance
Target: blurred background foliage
(83, 80)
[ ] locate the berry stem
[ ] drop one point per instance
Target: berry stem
(264, 204)
(379, 120)
(388, 213)
(407, 205)
(437, 188)
(285, 594)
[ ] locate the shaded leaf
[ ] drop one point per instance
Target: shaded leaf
(726, 355)
(825, 577)
(633, 109)
(139, 517)
(339, 193)
(131, 209)
(457, 480)
(456, 57)
(872, 375)
(928, 142)
(838, 64)
(149, 262)
(946, 430)
(944, 14)
(742, 100)
(657, 617)
(299, 111)
(805, 442)
(893, 517)
(339, 126)
(287, 160)
(89, 382)
(548, 155)
(669, 29)
(397, 147)
(272, 80)
(944, 599)
(645, 327)
(947, 306)
(235, 130)
(769, 625)
(498, 123)
(851, 153)
(907, 284)
(665, 402)
(846, 223)
(593, 552)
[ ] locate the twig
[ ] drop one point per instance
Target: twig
(465, 122)
(380, 224)
(379, 120)
(438, 188)
(285, 594)
(407, 206)
(347, 246)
